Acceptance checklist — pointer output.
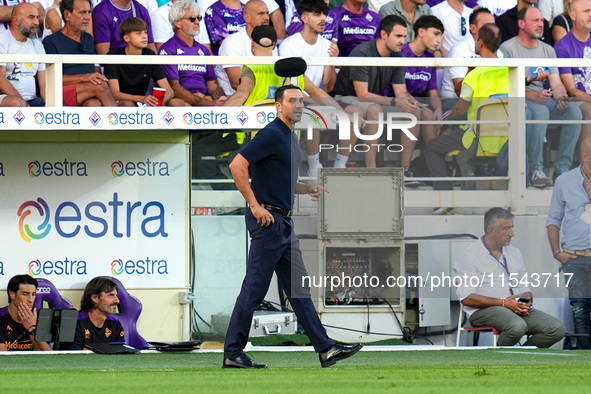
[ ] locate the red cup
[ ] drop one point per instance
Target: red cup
(159, 94)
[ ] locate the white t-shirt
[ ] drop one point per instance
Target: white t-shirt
(452, 23)
(162, 28)
(497, 7)
(296, 46)
(551, 8)
(462, 50)
(21, 75)
(237, 44)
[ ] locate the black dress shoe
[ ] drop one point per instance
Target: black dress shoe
(242, 361)
(337, 353)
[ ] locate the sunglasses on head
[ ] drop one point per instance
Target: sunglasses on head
(192, 19)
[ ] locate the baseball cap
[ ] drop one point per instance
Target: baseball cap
(264, 35)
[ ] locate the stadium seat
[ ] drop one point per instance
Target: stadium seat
(475, 330)
(46, 292)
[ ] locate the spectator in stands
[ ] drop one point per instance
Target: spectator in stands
(453, 76)
(256, 14)
(6, 7)
(18, 79)
(421, 82)
(294, 24)
(409, 11)
(562, 23)
(131, 82)
(551, 8)
(162, 28)
(18, 320)
(510, 28)
(53, 19)
(543, 104)
(478, 85)
(222, 18)
(577, 44)
(363, 87)
(259, 82)
(497, 7)
(351, 24)
(194, 83)
(455, 15)
(494, 301)
(100, 302)
(83, 83)
(106, 18)
(310, 43)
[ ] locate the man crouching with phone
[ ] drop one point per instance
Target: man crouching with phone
(501, 300)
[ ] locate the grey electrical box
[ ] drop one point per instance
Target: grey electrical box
(362, 203)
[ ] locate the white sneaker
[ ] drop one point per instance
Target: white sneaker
(539, 179)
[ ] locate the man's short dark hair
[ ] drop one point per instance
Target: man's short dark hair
(17, 280)
(132, 24)
(474, 15)
(490, 36)
(426, 22)
(96, 286)
(281, 90)
(68, 5)
(522, 13)
(387, 24)
(494, 214)
(312, 6)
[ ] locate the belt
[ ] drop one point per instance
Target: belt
(585, 253)
(285, 212)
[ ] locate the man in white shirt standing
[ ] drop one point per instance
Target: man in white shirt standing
(501, 299)
(454, 15)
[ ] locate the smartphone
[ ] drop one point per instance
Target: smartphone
(533, 71)
(523, 299)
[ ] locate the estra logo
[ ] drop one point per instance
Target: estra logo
(58, 168)
(133, 118)
(139, 168)
(145, 266)
(97, 219)
(60, 118)
(59, 267)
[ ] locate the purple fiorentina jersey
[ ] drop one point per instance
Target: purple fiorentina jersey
(296, 25)
(193, 77)
(570, 47)
(351, 29)
(106, 18)
(419, 80)
(221, 21)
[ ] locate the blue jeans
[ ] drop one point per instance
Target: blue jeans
(535, 134)
(579, 292)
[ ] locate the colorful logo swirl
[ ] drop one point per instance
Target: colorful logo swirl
(24, 211)
(113, 118)
(261, 118)
(188, 118)
(39, 118)
(35, 268)
(34, 169)
(316, 117)
(117, 267)
(117, 168)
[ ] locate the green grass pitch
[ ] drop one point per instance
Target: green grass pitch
(504, 370)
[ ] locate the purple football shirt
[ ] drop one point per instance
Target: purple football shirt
(193, 77)
(351, 29)
(419, 80)
(221, 21)
(106, 19)
(570, 47)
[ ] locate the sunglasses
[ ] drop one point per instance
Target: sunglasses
(192, 19)
(463, 23)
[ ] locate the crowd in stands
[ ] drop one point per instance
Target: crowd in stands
(313, 28)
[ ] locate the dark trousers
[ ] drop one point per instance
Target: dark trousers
(273, 249)
(579, 292)
(435, 151)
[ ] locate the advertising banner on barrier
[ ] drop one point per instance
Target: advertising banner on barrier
(70, 212)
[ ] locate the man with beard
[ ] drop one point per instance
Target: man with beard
(18, 79)
(99, 301)
(272, 158)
